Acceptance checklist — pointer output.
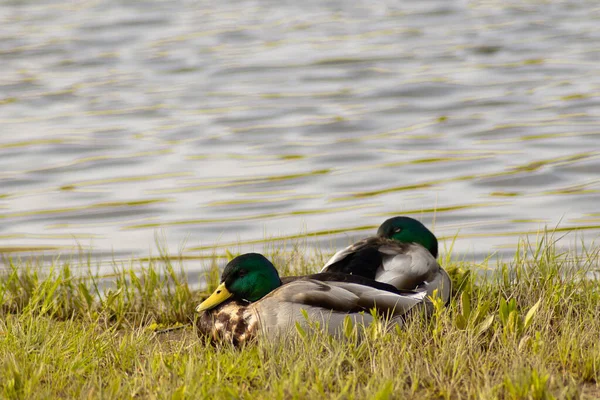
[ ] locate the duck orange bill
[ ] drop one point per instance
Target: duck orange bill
(219, 295)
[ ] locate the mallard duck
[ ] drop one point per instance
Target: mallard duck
(402, 254)
(253, 300)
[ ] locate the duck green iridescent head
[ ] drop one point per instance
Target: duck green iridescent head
(247, 277)
(409, 230)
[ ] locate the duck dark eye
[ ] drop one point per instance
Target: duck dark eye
(397, 230)
(242, 273)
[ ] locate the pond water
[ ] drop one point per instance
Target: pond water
(220, 124)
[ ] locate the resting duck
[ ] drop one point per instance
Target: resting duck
(402, 254)
(252, 300)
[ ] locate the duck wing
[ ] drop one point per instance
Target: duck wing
(348, 278)
(373, 257)
(348, 296)
(328, 303)
(361, 258)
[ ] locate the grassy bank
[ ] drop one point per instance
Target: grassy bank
(529, 329)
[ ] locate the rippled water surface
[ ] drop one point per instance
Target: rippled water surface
(230, 122)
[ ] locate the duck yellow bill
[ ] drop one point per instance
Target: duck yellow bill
(219, 295)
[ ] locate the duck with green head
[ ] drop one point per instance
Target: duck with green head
(403, 254)
(252, 300)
